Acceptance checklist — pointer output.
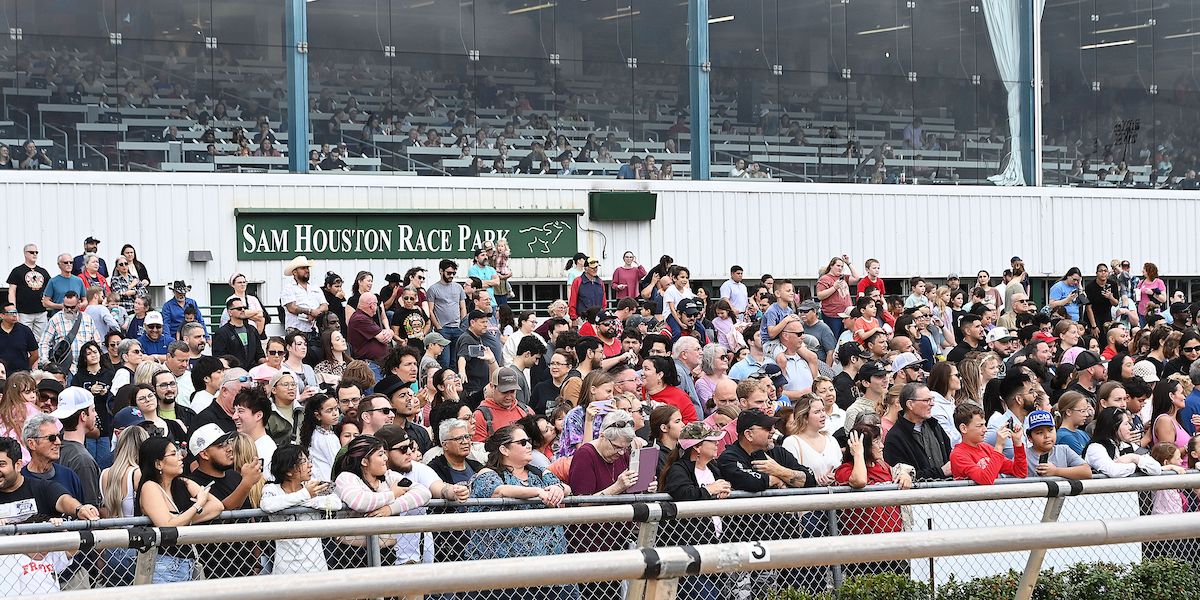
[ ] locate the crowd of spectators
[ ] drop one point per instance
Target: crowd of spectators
(375, 402)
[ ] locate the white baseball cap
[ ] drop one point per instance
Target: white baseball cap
(71, 401)
(206, 436)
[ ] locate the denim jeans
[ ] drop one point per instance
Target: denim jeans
(101, 450)
(835, 324)
(451, 334)
(118, 567)
(172, 568)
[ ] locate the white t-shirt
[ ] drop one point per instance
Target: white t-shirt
(304, 299)
(201, 401)
(674, 296)
(266, 449)
(704, 477)
(24, 576)
(408, 546)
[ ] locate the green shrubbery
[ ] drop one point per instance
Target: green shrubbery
(1157, 579)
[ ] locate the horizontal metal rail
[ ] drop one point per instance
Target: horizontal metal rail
(255, 513)
(638, 512)
(663, 563)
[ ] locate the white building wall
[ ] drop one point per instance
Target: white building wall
(788, 230)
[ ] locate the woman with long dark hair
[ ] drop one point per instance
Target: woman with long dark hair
(661, 385)
(368, 488)
(171, 500)
(1168, 401)
(507, 474)
(1111, 451)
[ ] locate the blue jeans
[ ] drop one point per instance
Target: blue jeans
(119, 566)
(835, 324)
(101, 450)
(451, 334)
(168, 569)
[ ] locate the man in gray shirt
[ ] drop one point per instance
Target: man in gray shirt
(77, 413)
(815, 327)
(448, 306)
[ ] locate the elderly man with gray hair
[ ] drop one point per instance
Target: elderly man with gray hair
(455, 464)
(686, 352)
(44, 442)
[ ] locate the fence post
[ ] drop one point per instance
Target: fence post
(637, 589)
(373, 558)
(832, 519)
(1034, 565)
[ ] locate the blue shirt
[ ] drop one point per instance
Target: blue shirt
(1061, 291)
(1076, 440)
(150, 347)
(172, 314)
(58, 286)
(771, 318)
(626, 172)
(484, 273)
(1191, 406)
(744, 368)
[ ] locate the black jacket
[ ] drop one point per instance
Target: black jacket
(441, 466)
(734, 465)
(225, 341)
(680, 482)
(901, 446)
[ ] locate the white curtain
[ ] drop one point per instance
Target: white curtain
(1004, 27)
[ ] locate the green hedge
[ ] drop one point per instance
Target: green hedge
(1157, 579)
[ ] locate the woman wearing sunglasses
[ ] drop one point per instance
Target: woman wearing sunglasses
(508, 474)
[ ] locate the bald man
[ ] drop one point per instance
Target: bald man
(366, 337)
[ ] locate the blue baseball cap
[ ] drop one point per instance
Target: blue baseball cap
(1040, 418)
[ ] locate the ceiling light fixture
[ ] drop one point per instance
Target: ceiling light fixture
(724, 19)
(883, 30)
(525, 9)
(1107, 44)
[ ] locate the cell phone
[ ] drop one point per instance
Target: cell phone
(1010, 423)
(1043, 459)
(604, 406)
(406, 482)
(475, 351)
(260, 463)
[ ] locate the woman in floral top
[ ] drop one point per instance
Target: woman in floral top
(507, 474)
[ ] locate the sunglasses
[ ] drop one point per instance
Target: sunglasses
(52, 438)
(406, 447)
(619, 425)
(276, 352)
(1191, 349)
(387, 410)
(524, 442)
(153, 326)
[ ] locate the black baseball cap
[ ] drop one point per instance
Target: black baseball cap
(749, 418)
(478, 314)
(849, 350)
(872, 369)
(689, 306)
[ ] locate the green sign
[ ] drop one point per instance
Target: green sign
(275, 235)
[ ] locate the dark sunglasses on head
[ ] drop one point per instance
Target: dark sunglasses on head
(619, 425)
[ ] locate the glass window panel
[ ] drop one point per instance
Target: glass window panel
(257, 23)
(434, 26)
(879, 37)
(176, 20)
(524, 29)
(350, 25)
(78, 18)
(750, 39)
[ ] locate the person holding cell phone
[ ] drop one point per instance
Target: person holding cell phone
(1052, 459)
(171, 500)
(296, 486)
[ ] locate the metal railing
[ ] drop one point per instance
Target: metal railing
(655, 525)
(664, 567)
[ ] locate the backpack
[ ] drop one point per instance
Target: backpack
(487, 415)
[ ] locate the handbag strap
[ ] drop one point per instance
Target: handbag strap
(75, 329)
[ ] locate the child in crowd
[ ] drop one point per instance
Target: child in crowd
(1168, 502)
(1049, 458)
(112, 302)
(973, 459)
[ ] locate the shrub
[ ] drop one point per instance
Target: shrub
(994, 587)
(1162, 579)
(888, 586)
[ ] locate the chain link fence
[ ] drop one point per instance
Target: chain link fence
(36, 574)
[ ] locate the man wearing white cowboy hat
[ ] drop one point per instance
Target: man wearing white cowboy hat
(173, 310)
(303, 302)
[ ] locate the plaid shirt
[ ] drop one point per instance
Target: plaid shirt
(58, 328)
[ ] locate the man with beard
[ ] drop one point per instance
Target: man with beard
(448, 304)
(166, 388)
(401, 451)
(1017, 393)
(193, 334)
(1118, 342)
(213, 450)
